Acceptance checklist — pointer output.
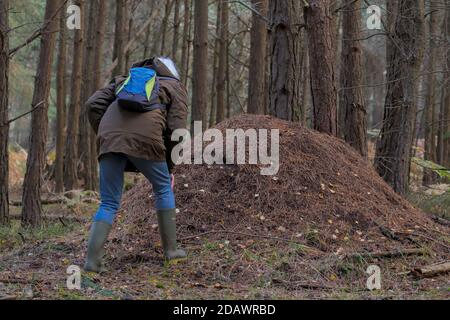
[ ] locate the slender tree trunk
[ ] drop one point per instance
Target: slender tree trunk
(200, 65)
(429, 177)
(186, 41)
(445, 105)
(148, 33)
(352, 112)
(285, 65)
(84, 142)
(164, 24)
(71, 159)
(393, 154)
(319, 29)
(97, 80)
(120, 36)
(4, 127)
(176, 30)
(258, 50)
(31, 198)
(212, 114)
(61, 102)
(221, 71)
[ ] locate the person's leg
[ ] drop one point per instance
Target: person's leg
(112, 166)
(158, 175)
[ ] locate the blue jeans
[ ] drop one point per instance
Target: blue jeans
(112, 167)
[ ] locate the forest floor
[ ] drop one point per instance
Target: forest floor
(310, 232)
(33, 265)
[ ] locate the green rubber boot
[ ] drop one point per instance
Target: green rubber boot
(167, 230)
(95, 252)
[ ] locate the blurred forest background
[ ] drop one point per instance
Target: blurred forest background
(316, 62)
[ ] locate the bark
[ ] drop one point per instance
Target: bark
(120, 36)
(148, 32)
(352, 112)
(221, 70)
(186, 41)
(32, 209)
(4, 127)
(285, 64)
(200, 64)
(176, 31)
(164, 24)
(319, 29)
(97, 80)
(90, 27)
(258, 50)
(429, 177)
(393, 152)
(61, 102)
(212, 114)
(444, 115)
(71, 159)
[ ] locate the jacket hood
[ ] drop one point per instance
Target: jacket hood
(160, 68)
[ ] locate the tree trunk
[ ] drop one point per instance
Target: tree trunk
(186, 41)
(71, 159)
(164, 24)
(445, 105)
(319, 29)
(429, 177)
(212, 111)
(176, 30)
(97, 81)
(84, 141)
(393, 154)
(120, 36)
(258, 50)
(4, 127)
(61, 102)
(200, 64)
(221, 70)
(352, 112)
(31, 198)
(285, 64)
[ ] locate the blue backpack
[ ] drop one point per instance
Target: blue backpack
(140, 91)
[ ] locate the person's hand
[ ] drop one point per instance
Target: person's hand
(172, 181)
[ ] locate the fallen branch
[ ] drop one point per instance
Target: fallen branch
(432, 270)
(386, 254)
(442, 221)
(43, 201)
(15, 281)
(303, 285)
(59, 218)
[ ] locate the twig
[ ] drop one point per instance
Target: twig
(37, 33)
(23, 114)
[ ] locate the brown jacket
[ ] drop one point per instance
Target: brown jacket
(141, 135)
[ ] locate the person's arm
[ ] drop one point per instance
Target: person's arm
(177, 113)
(99, 102)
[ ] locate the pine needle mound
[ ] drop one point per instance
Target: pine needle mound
(325, 197)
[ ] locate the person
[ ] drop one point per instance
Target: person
(137, 141)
